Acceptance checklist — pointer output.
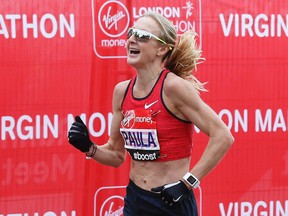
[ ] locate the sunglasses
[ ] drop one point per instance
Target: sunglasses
(143, 36)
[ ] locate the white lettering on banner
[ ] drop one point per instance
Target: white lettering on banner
(48, 213)
(168, 12)
(272, 208)
(113, 42)
(238, 120)
(268, 123)
(105, 124)
(113, 20)
(25, 127)
(182, 25)
(39, 172)
(47, 25)
(235, 121)
(261, 25)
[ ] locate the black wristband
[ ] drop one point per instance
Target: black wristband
(93, 152)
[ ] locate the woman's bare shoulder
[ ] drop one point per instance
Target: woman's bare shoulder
(119, 92)
(175, 84)
(121, 87)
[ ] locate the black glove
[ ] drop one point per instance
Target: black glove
(78, 135)
(173, 192)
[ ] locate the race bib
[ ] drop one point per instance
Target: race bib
(140, 135)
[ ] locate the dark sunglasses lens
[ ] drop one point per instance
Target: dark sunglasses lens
(142, 36)
(130, 32)
(139, 34)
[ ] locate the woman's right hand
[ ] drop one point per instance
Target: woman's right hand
(78, 135)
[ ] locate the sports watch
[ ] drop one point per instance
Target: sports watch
(191, 180)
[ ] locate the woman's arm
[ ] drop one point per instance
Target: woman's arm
(188, 103)
(113, 152)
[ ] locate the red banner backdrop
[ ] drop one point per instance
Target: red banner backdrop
(59, 59)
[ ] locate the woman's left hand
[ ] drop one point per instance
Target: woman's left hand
(172, 193)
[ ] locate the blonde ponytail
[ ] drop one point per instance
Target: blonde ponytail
(184, 58)
(185, 54)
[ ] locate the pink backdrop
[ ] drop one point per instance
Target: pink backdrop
(59, 59)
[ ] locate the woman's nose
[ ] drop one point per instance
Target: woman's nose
(132, 38)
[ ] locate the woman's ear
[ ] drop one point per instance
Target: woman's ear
(163, 50)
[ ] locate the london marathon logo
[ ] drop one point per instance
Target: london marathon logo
(111, 20)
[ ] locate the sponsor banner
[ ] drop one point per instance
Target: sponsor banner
(111, 20)
(110, 200)
(23, 205)
(62, 59)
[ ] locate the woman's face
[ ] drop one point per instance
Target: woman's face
(142, 52)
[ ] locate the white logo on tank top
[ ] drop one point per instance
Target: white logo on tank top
(146, 106)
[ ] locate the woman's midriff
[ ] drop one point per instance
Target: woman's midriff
(153, 174)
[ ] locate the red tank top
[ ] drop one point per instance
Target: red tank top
(152, 126)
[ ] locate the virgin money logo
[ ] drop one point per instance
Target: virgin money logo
(111, 20)
(110, 24)
(109, 201)
(113, 205)
(129, 119)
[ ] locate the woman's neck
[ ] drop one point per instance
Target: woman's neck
(145, 82)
